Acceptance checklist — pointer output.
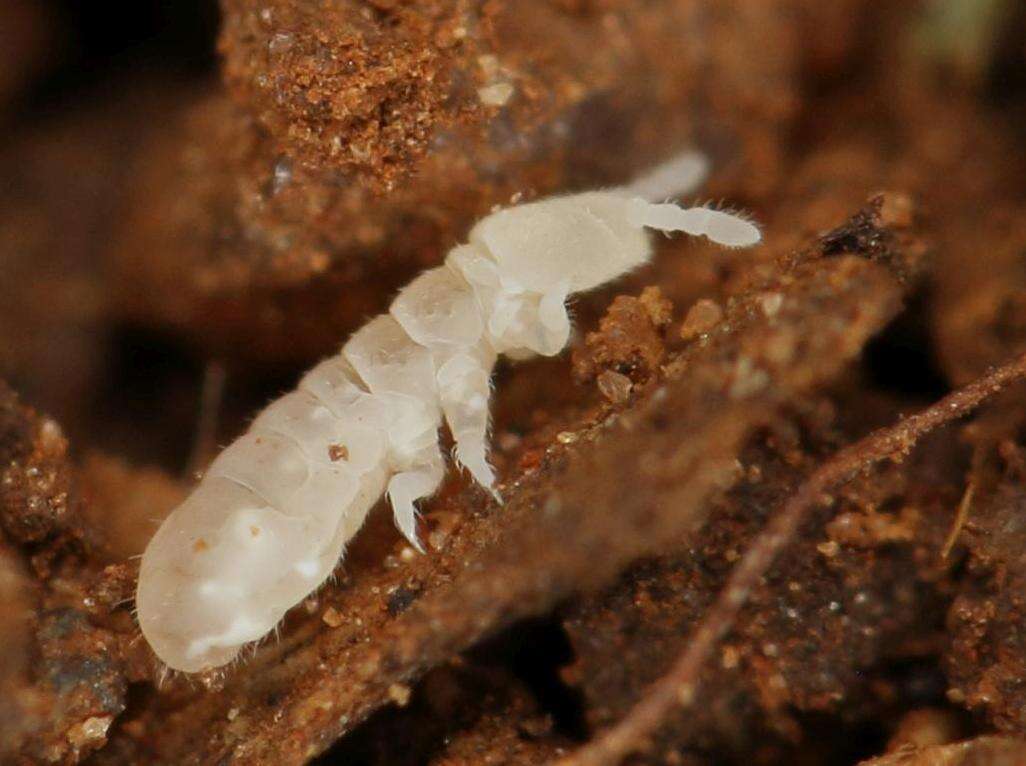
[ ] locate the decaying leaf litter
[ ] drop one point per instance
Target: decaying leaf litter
(630, 493)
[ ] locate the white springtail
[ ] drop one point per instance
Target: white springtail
(270, 519)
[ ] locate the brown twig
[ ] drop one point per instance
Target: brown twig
(677, 687)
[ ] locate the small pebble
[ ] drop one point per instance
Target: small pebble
(828, 549)
(489, 64)
(771, 303)
(496, 94)
(731, 658)
(615, 386)
(701, 318)
(399, 694)
(331, 617)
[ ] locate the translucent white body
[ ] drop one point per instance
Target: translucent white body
(270, 519)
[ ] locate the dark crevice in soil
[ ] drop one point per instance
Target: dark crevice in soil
(902, 360)
(98, 43)
(1006, 76)
(396, 736)
(536, 650)
(517, 673)
(147, 397)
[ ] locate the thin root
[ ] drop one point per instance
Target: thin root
(960, 518)
(204, 446)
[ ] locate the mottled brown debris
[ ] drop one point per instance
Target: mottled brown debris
(985, 751)
(986, 657)
(65, 677)
(679, 686)
(257, 216)
(629, 341)
(245, 222)
(367, 89)
(773, 664)
(36, 501)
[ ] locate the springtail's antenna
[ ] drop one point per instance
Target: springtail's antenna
(723, 228)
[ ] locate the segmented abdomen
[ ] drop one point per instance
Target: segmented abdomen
(268, 522)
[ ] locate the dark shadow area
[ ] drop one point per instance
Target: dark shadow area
(536, 651)
(95, 45)
(901, 359)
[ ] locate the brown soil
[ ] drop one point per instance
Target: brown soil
(175, 251)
